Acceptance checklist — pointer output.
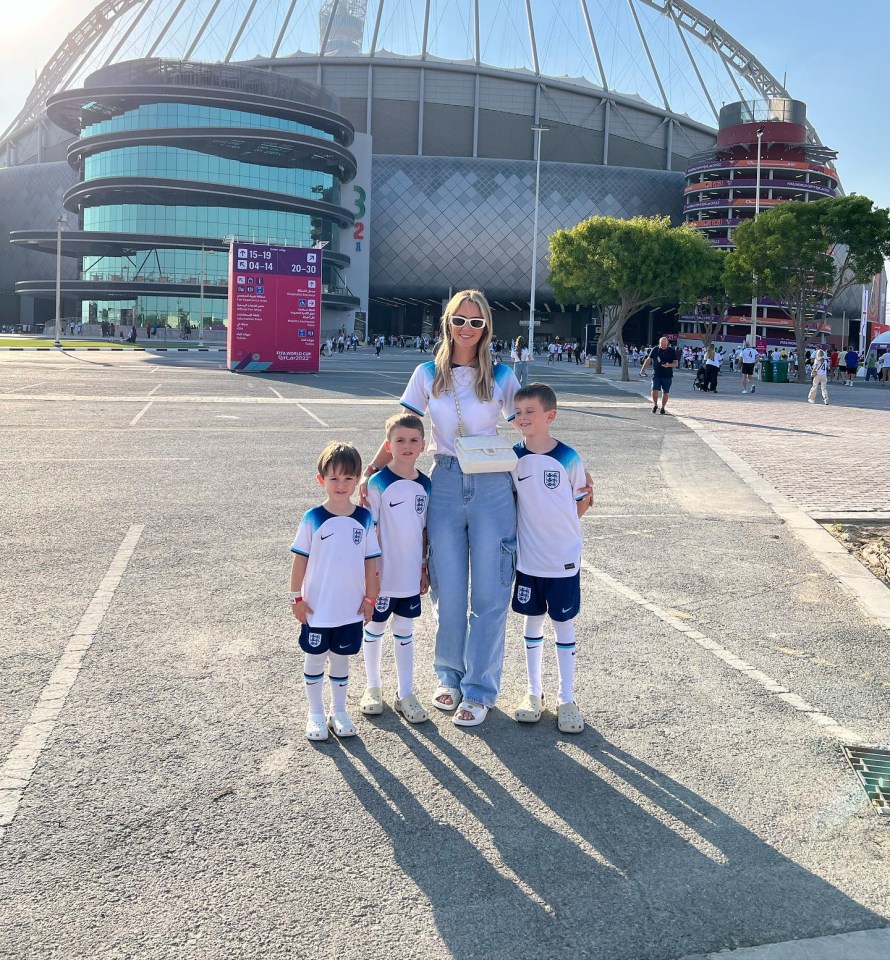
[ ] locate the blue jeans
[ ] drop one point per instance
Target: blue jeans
(520, 368)
(471, 523)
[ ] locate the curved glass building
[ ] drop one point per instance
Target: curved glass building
(171, 159)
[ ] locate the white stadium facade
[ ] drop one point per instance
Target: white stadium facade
(397, 134)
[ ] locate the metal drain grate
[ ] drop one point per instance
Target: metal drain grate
(872, 766)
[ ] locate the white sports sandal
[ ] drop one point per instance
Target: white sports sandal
(478, 712)
(452, 692)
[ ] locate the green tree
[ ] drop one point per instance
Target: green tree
(622, 266)
(804, 253)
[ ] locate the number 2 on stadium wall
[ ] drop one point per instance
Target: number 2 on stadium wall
(359, 233)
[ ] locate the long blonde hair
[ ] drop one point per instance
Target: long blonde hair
(484, 370)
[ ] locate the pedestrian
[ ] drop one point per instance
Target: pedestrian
(851, 365)
(333, 587)
(577, 353)
(552, 494)
(820, 377)
(712, 369)
(835, 359)
(885, 366)
(871, 366)
(664, 360)
(750, 357)
(520, 358)
(398, 496)
(471, 520)
(378, 346)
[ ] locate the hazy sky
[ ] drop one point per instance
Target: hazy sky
(832, 53)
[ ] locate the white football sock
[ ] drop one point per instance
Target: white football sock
(403, 646)
(338, 678)
(313, 680)
(534, 653)
(565, 659)
(372, 648)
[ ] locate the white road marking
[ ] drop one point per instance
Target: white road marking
(16, 773)
(277, 394)
(92, 459)
(141, 414)
(384, 392)
(273, 401)
(828, 724)
(27, 386)
(154, 390)
(311, 414)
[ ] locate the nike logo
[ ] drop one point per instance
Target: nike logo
(416, 607)
(405, 644)
(398, 504)
(566, 609)
(525, 477)
(324, 536)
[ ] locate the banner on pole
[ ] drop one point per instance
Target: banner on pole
(274, 308)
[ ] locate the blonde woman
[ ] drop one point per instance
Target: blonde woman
(820, 378)
(520, 357)
(471, 518)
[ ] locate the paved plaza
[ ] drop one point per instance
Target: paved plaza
(158, 798)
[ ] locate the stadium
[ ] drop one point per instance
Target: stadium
(396, 134)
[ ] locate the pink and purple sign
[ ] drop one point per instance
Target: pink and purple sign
(274, 308)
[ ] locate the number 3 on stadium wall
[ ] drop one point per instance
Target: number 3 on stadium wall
(359, 231)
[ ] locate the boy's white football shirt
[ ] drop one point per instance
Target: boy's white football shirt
(399, 507)
(337, 547)
(548, 531)
(479, 419)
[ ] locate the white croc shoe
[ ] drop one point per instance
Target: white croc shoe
(316, 727)
(341, 723)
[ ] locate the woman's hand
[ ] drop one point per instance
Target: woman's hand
(366, 610)
(302, 611)
(363, 492)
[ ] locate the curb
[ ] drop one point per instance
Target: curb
(118, 349)
(871, 593)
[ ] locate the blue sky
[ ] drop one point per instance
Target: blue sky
(833, 58)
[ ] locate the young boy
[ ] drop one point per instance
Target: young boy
(398, 496)
(333, 586)
(552, 495)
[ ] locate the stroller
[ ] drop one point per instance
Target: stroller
(699, 383)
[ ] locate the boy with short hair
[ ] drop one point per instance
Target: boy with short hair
(551, 497)
(333, 586)
(398, 496)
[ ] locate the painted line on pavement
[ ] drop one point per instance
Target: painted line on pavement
(19, 767)
(861, 945)
(277, 394)
(311, 414)
(155, 389)
(272, 401)
(94, 459)
(141, 414)
(828, 724)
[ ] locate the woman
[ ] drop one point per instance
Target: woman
(712, 369)
(820, 378)
(520, 358)
(471, 518)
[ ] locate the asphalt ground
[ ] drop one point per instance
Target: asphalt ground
(177, 810)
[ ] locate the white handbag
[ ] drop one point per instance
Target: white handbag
(493, 454)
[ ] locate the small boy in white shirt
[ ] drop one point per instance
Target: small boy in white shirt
(398, 496)
(333, 587)
(552, 495)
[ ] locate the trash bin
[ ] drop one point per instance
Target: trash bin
(780, 371)
(766, 371)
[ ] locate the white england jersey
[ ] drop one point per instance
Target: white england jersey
(398, 507)
(479, 419)
(548, 531)
(337, 547)
(749, 355)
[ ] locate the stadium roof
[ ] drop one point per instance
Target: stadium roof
(662, 52)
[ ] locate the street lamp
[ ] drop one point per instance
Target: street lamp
(59, 223)
(538, 130)
(756, 214)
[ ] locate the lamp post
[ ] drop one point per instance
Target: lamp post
(59, 223)
(201, 310)
(538, 130)
(756, 214)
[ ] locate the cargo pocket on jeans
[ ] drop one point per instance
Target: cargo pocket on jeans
(508, 561)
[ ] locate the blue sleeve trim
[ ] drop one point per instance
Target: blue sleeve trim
(511, 419)
(372, 556)
(412, 409)
(300, 552)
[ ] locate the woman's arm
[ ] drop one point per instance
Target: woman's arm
(380, 459)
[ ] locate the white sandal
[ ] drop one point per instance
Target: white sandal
(341, 723)
(478, 712)
(442, 691)
(316, 727)
(529, 708)
(371, 704)
(410, 708)
(569, 719)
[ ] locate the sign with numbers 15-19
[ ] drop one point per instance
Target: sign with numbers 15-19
(274, 308)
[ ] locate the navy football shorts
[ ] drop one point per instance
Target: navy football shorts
(558, 596)
(345, 640)
(662, 383)
(386, 607)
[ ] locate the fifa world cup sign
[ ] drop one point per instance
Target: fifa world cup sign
(274, 308)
